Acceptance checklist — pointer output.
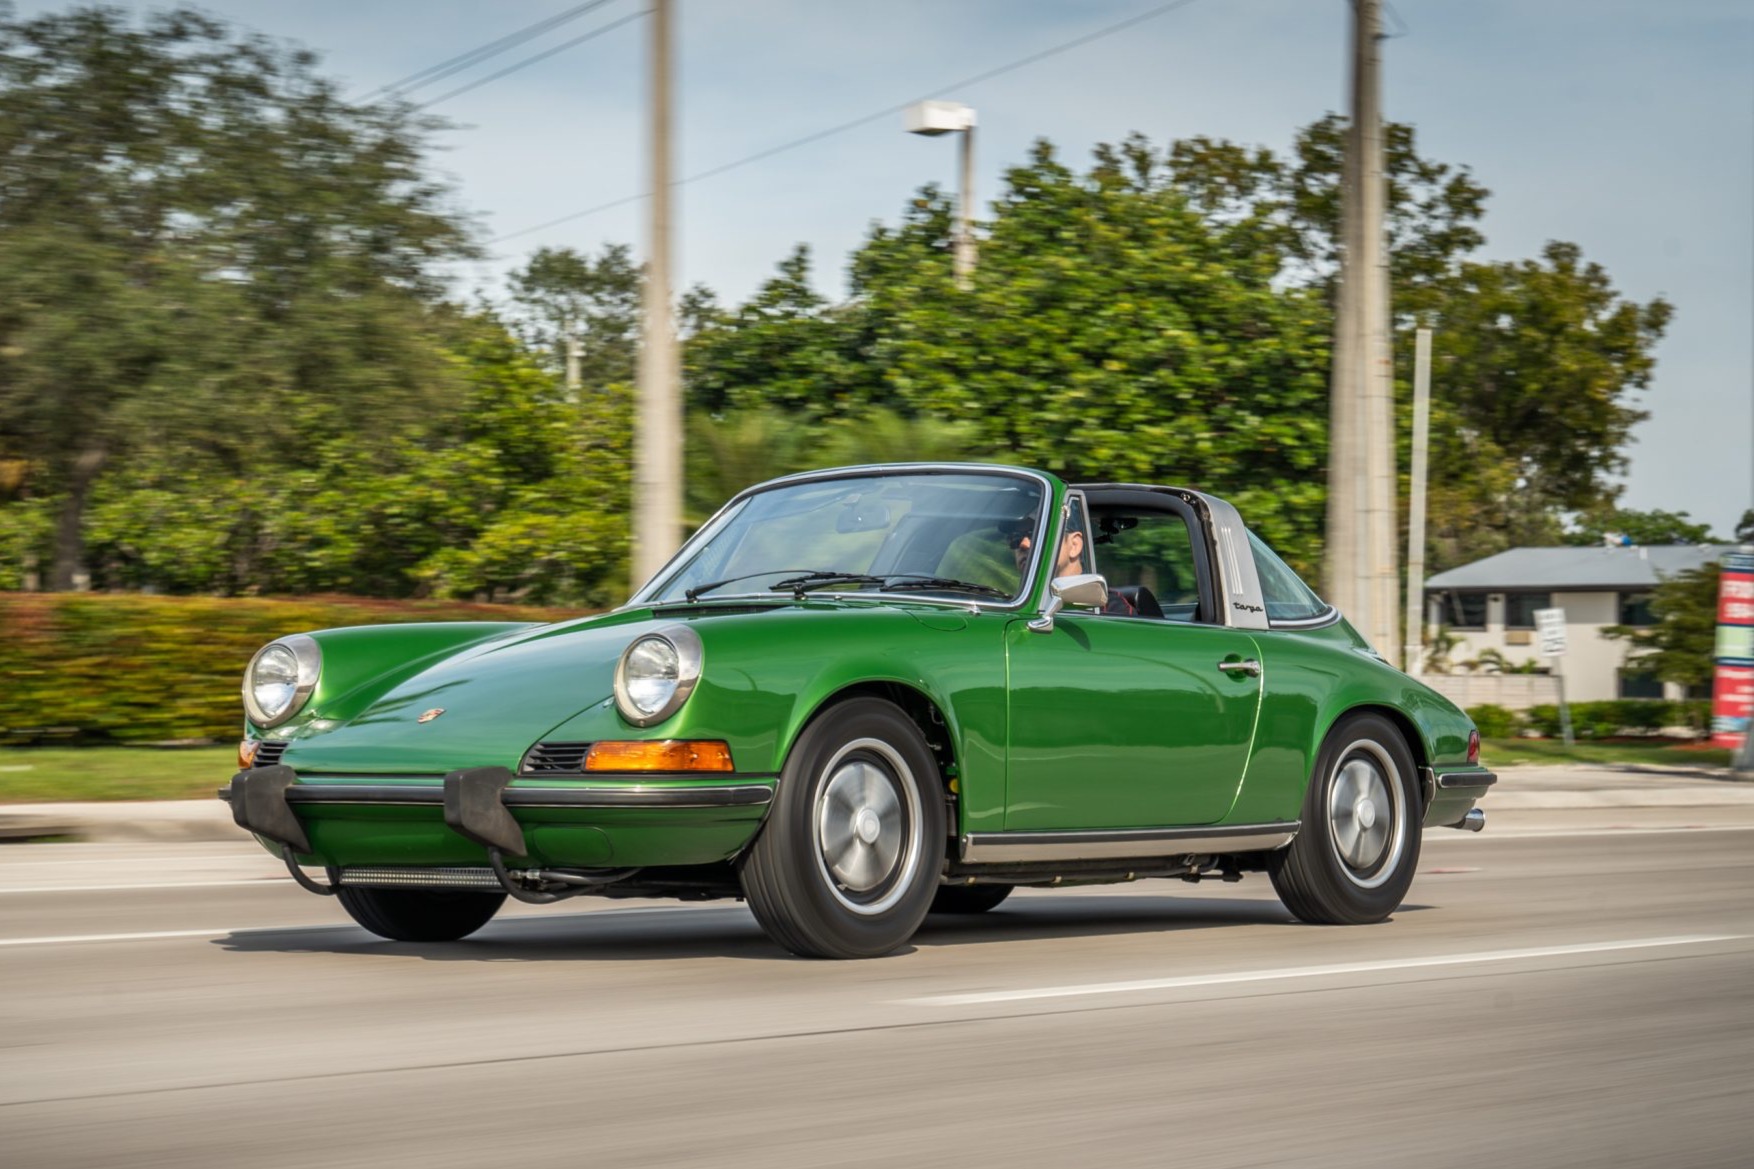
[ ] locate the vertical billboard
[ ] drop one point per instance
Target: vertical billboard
(1732, 698)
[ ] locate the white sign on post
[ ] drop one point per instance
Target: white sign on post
(1550, 628)
(1550, 625)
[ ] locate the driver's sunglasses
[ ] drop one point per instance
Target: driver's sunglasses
(1016, 536)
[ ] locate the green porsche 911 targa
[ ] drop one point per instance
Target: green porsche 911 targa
(859, 696)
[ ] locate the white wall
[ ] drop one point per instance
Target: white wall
(1591, 665)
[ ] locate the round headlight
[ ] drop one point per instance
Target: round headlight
(280, 679)
(656, 675)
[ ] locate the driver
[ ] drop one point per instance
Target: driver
(1069, 563)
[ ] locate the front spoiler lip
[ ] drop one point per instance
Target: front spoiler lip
(477, 802)
(738, 793)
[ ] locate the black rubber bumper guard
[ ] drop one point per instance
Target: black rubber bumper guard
(473, 803)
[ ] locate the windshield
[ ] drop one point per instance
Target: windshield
(918, 533)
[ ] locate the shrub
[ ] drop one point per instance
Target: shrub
(94, 668)
(1494, 722)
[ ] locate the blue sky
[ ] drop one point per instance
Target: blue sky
(1626, 127)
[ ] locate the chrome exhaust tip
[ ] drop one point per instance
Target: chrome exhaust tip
(1472, 822)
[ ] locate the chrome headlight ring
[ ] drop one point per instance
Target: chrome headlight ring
(656, 674)
(280, 679)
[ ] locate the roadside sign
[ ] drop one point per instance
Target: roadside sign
(1733, 694)
(1550, 627)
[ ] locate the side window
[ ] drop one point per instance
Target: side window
(1287, 597)
(1148, 558)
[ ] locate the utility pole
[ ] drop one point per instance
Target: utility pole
(1414, 648)
(1363, 579)
(657, 439)
(574, 352)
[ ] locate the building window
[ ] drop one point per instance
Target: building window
(1635, 609)
(1640, 685)
(1519, 608)
(1464, 610)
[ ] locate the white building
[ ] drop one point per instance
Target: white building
(1490, 605)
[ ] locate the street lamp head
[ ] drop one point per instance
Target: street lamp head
(933, 118)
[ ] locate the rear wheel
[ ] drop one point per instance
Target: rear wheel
(419, 915)
(1354, 856)
(848, 861)
(968, 898)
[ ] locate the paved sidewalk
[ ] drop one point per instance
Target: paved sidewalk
(1519, 788)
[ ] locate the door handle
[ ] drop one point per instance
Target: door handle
(1250, 667)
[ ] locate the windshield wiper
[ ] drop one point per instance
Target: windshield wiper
(822, 579)
(698, 591)
(941, 582)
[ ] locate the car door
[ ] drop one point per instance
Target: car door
(1140, 716)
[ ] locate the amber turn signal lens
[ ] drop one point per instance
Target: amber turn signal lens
(247, 754)
(659, 755)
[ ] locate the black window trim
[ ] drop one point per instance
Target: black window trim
(1180, 504)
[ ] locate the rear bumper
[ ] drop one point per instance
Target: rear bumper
(1451, 793)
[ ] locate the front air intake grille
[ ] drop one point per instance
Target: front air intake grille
(554, 759)
(268, 754)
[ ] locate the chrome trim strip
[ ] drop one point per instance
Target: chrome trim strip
(1326, 617)
(1454, 779)
(620, 796)
(1119, 843)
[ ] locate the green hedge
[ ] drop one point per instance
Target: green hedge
(1623, 716)
(99, 668)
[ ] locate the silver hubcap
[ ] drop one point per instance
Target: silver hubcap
(867, 826)
(1365, 814)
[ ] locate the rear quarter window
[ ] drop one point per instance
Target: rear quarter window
(1286, 596)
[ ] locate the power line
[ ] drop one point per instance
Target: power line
(477, 55)
(542, 56)
(888, 112)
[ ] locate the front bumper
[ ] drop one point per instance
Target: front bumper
(660, 818)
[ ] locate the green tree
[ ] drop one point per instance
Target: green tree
(204, 252)
(1641, 527)
(562, 293)
(1681, 646)
(1538, 362)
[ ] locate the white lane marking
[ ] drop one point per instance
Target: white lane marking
(158, 935)
(262, 881)
(1551, 833)
(1289, 972)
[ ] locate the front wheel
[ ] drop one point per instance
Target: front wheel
(848, 861)
(419, 915)
(1354, 856)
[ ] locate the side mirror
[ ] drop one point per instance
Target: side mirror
(1087, 588)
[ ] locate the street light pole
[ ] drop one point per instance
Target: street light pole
(932, 118)
(657, 437)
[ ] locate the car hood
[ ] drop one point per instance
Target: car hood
(492, 702)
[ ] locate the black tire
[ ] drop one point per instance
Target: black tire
(1346, 866)
(968, 898)
(849, 858)
(419, 915)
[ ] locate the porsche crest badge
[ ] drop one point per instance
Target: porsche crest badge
(430, 715)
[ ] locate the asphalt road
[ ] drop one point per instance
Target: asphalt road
(1569, 988)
